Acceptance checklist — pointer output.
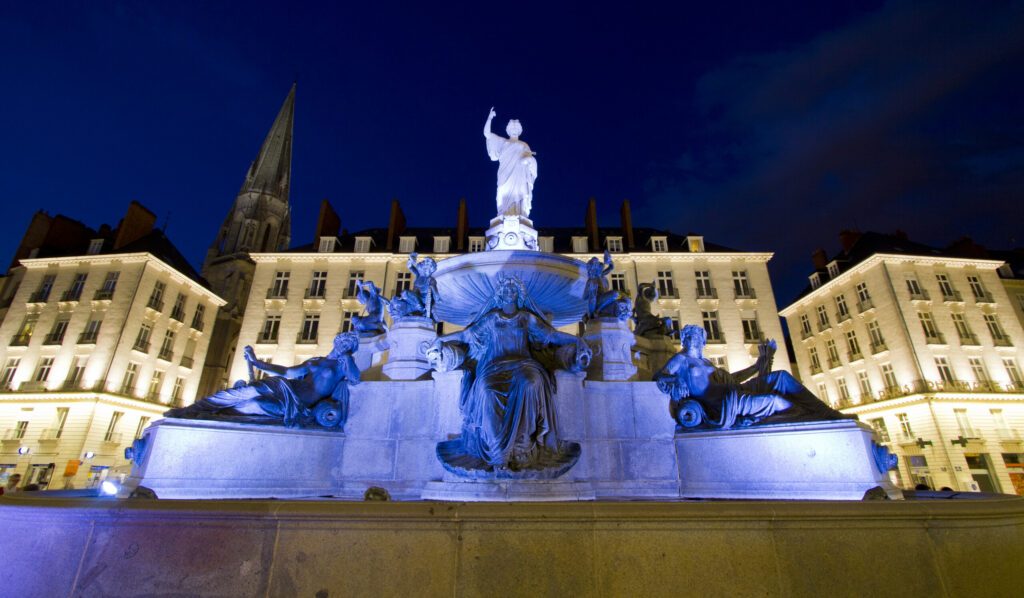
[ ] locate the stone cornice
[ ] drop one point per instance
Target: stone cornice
(309, 257)
(938, 397)
(57, 396)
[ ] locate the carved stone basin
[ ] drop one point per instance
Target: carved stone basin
(466, 284)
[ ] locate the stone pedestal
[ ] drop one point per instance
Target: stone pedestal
(511, 232)
(182, 458)
(456, 489)
(370, 354)
(651, 354)
(612, 342)
(407, 342)
(831, 460)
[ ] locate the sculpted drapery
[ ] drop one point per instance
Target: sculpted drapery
(517, 169)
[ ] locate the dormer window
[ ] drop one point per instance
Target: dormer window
(659, 244)
(95, 246)
(833, 269)
(441, 244)
(476, 243)
(695, 243)
(547, 244)
(815, 280)
(579, 244)
(406, 244)
(327, 244)
(362, 244)
(614, 244)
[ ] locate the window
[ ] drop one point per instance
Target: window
(271, 326)
(963, 330)
(666, 286)
(76, 373)
(978, 290)
(75, 290)
(863, 297)
(696, 244)
(915, 289)
(1013, 373)
(167, 346)
(406, 244)
(547, 244)
(978, 369)
(362, 245)
(156, 298)
(8, 376)
(279, 289)
(178, 311)
(931, 332)
(95, 246)
(833, 269)
(946, 288)
(945, 372)
(966, 430)
(115, 417)
(179, 385)
(354, 277)
(719, 362)
(346, 320)
(403, 282)
(864, 382)
(711, 326)
(823, 393)
(815, 280)
(614, 244)
(110, 282)
(659, 244)
(197, 317)
(476, 244)
(327, 244)
(128, 382)
(56, 336)
(62, 418)
(879, 425)
(815, 362)
(19, 429)
(751, 331)
(676, 326)
(844, 392)
(92, 330)
(842, 312)
(310, 328)
(43, 370)
(853, 345)
(999, 423)
(875, 334)
(823, 322)
(142, 340)
(143, 422)
(441, 244)
(805, 326)
(704, 288)
(24, 335)
(618, 280)
(996, 330)
(741, 285)
(317, 286)
(889, 377)
(579, 244)
(189, 353)
(42, 294)
(154, 386)
(905, 429)
(833, 353)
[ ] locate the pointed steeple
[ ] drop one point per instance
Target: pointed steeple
(271, 171)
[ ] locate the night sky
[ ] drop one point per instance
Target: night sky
(760, 127)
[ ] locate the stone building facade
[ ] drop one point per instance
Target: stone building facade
(924, 344)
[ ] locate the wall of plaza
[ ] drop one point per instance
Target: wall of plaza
(929, 351)
(273, 320)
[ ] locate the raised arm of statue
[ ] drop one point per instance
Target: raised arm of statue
(487, 125)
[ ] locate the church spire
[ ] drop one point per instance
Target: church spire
(271, 171)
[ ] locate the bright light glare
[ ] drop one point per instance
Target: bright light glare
(109, 488)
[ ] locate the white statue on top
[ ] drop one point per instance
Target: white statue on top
(517, 168)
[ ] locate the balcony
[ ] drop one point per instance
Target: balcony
(669, 293)
(864, 305)
(103, 295)
(156, 304)
(178, 314)
(112, 438)
(815, 368)
(53, 338)
(877, 348)
(747, 293)
(315, 293)
(50, 435)
(267, 339)
(707, 293)
(166, 355)
(983, 297)
(716, 339)
(935, 338)
(71, 295)
(87, 338)
(277, 293)
(39, 297)
(1001, 341)
(920, 295)
(141, 346)
(750, 339)
(833, 363)
(13, 435)
(806, 333)
(842, 317)
(349, 293)
(186, 362)
(823, 326)
(306, 339)
(32, 385)
(197, 324)
(20, 340)
(951, 296)
(969, 340)
(852, 357)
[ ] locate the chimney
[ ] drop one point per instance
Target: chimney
(820, 259)
(461, 226)
(327, 223)
(901, 235)
(137, 223)
(847, 238)
(591, 225)
(627, 224)
(396, 225)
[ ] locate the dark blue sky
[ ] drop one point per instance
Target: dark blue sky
(761, 127)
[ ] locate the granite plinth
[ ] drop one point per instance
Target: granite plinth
(407, 342)
(504, 490)
(612, 342)
(215, 459)
(830, 460)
